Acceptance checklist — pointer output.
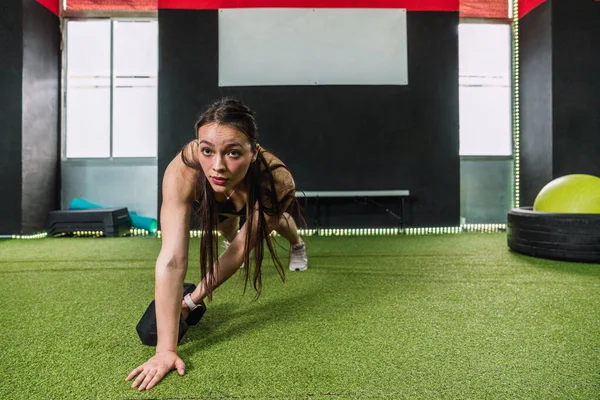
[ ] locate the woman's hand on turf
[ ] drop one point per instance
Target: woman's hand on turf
(151, 372)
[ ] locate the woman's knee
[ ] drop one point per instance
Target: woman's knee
(286, 222)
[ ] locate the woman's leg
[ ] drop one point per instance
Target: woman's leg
(288, 229)
(229, 228)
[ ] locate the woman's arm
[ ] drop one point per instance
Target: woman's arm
(233, 257)
(171, 267)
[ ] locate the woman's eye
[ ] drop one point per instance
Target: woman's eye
(234, 153)
(206, 151)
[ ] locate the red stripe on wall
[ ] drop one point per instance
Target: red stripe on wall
(525, 6)
(466, 6)
(51, 5)
(410, 5)
(484, 9)
(112, 5)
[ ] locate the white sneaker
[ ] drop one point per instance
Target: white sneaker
(226, 244)
(298, 259)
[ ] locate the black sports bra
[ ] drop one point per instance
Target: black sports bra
(227, 210)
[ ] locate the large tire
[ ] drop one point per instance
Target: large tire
(558, 236)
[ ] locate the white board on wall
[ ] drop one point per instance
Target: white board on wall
(303, 46)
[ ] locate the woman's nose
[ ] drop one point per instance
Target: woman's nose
(219, 164)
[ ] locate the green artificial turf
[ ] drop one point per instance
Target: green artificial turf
(398, 317)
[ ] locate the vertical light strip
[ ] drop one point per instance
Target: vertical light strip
(112, 82)
(516, 106)
(64, 46)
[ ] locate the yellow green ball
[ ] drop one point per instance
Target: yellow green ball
(575, 194)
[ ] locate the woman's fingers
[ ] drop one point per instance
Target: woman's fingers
(134, 373)
(147, 380)
(180, 366)
(150, 373)
(155, 379)
(140, 378)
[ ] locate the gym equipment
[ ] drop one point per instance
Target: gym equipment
(149, 224)
(577, 194)
(146, 327)
(558, 236)
(111, 221)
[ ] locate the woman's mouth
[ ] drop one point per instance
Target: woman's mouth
(219, 181)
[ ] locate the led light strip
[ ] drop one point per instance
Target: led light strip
(40, 235)
(516, 105)
(441, 230)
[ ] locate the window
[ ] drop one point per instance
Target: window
(111, 88)
(485, 89)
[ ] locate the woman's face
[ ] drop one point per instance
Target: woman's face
(225, 155)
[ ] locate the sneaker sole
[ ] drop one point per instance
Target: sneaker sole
(299, 269)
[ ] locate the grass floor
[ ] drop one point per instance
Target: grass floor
(427, 317)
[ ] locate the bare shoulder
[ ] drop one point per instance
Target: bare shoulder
(281, 173)
(179, 180)
(283, 181)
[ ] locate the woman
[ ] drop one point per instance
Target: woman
(225, 174)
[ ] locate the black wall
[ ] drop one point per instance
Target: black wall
(576, 86)
(40, 114)
(11, 77)
(334, 137)
(560, 93)
(535, 45)
(29, 124)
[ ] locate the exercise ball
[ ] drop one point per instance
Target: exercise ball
(574, 194)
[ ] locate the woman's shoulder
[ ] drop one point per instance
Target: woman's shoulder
(276, 182)
(180, 178)
(282, 176)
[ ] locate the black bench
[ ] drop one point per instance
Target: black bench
(365, 195)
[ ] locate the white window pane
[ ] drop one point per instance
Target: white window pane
(484, 50)
(485, 121)
(88, 89)
(135, 119)
(303, 46)
(88, 51)
(136, 48)
(88, 121)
